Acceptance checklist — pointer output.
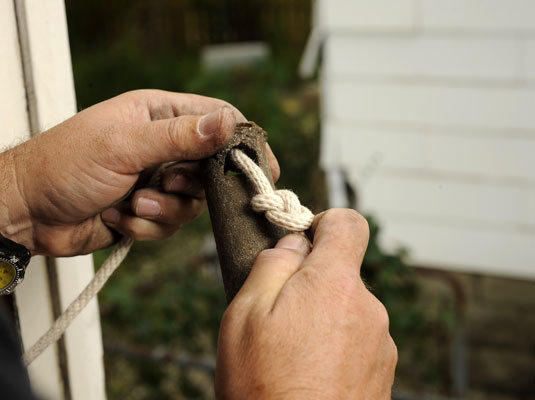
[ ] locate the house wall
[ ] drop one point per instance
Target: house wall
(429, 108)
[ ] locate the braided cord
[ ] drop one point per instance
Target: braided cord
(281, 207)
(78, 304)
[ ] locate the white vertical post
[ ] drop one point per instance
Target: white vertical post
(14, 128)
(37, 92)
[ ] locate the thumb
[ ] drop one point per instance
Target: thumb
(184, 138)
(273, 268)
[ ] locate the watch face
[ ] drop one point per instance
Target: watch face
(7, 274)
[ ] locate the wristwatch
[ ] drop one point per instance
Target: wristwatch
(14, 258)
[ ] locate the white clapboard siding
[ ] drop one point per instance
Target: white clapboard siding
(423, 56)
(474, 204)
(491, 157)
(529, 59)
(429, 111)
(485, 251)
(459, 154)
(439, 105)
(354, 15)
(453, 16)
(37, 92)
(530, 201)
(508, 16)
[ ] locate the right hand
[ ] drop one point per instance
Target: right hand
(304, 325)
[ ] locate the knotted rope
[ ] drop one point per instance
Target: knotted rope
(281, 207)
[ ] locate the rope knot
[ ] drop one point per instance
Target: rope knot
(281, 207)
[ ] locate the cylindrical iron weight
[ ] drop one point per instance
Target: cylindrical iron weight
(240, 233)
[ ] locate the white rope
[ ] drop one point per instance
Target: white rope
(78, 304)
(281, 207)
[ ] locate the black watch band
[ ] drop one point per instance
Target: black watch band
(14, 258)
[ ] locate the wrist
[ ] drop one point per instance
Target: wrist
(15, 221)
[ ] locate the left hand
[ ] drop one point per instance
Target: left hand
(61, 191)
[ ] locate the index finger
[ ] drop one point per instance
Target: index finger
(340, 241)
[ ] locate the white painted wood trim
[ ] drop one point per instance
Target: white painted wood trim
(13, 117)
(35, 317)
(46, 89)
(34, 302)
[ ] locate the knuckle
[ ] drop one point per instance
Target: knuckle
(140, 93)
(358, 220)
(394, 355)
(224, 103)
(236, 311)
(381, 316)
(235, 111)
(229, 316)
(133, 96)
(128, 95)
(347, 219)
(229, 320)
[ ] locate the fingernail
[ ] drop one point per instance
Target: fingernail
(111, 215)
(293, 242)
(180, 183)
(209, 124)
(147, 208)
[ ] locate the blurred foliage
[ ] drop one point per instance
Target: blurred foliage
(166, 297)
(163, 297)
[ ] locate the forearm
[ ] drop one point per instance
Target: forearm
(15, 222)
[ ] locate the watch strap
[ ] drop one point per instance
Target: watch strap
(9, 248)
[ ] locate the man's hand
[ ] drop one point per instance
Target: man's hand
(304, 326)
(62, 190)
